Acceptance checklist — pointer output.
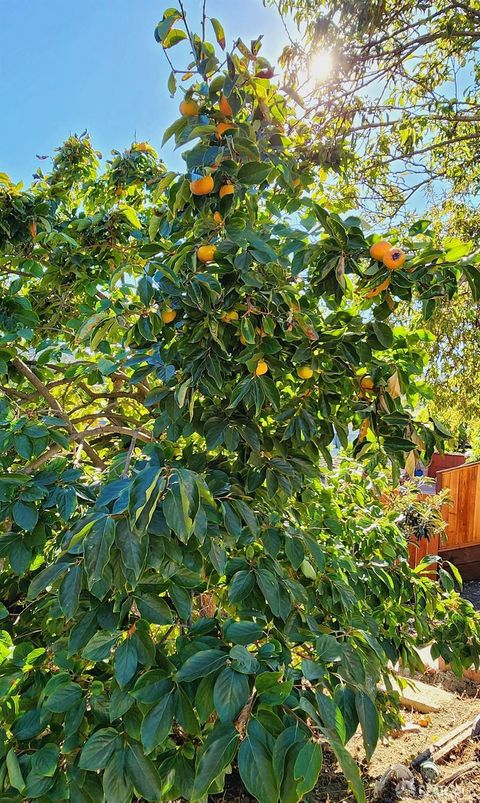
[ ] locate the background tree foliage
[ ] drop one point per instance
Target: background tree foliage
(186, 589)
(452, 372)
(399, 113)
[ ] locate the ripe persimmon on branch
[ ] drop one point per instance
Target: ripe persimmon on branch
(192, 597)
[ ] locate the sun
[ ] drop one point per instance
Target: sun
(320, 65)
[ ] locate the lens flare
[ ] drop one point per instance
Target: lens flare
(320, 65)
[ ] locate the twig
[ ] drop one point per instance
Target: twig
(129, 456)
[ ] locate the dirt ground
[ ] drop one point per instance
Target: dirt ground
(401, 750)
(471, 591)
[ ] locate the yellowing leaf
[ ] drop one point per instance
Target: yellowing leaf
(393, 386)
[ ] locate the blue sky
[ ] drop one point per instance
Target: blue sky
(66, 66)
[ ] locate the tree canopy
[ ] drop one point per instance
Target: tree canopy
(185, 587)
(397, 116)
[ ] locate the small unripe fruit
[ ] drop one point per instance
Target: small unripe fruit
(168, 315)
(378, 250)
(225, 107)
(262, 368)
(188, 108)
(206, 253)
(226, 189)
(305, 372)
(394, 258)
(202, 186)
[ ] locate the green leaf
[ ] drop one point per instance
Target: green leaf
(176, 510)
(157, 723)
(219, 32)
(184, 713)
(98, 749)
(173, 37)
(369, 720)
(170, 17)
(331, 716)
(25, 515)
(29, 725)
(97, 546)
(253, 172)
(383, 333)
(230, 694)
(247, 329)
(328, 649)
(147, 482)
(143, 773)
(217, 753)
(151, 687)
(349, 769)
(394, 444)
(242, 632)
(117, 786)
(64, 697)
(201, 664)
(241, 585)
(132, 549)
(131, 216)
(256, 770)
(154, 609)
(45, 760)
(268, 584)
(345, 699)
(125, 662)
(441, 428)
(69, 591)
(14, 772)
(307, 767)
(100, 645)
(45, 578)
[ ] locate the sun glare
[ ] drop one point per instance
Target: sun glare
(320, 65)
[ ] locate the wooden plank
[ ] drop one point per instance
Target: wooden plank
(466, 558)
(443, 746)
(476, 518)
(421, 696)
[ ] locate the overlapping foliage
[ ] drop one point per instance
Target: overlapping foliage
(397, 117)
(187, 589)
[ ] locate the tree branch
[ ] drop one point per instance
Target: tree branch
(54, 405)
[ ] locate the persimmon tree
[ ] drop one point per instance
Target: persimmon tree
(188, 590)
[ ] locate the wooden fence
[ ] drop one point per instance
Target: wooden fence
(462, 546)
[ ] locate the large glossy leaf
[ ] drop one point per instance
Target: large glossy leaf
(201, 664)
(230, 694)
(369, 720)
(98, 749)
(256, 770)
(219, 750)
(143, 773)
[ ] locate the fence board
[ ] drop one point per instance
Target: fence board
(463, 516)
